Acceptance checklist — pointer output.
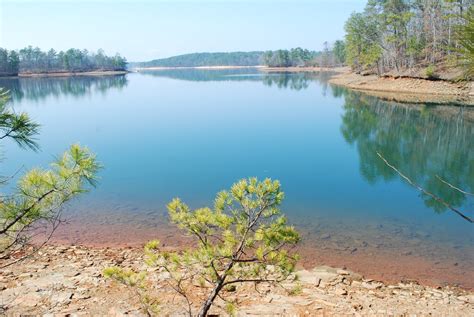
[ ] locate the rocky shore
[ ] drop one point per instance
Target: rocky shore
(60, 281)
(408, 90)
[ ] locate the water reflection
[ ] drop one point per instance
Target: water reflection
(283, 80)
(422, 142)
(39, 88)
(195, 74)
(296, 81)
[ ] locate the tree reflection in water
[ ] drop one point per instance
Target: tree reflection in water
(283, 80)
(78, 86)
(422, 142)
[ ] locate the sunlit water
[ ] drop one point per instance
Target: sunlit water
(192, 133)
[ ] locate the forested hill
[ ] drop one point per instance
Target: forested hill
(206, 59)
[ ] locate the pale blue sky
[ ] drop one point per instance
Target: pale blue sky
(144, 30)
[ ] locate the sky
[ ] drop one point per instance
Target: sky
(146, 29)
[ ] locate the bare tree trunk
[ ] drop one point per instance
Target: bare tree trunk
(208, 303)
(217, 288)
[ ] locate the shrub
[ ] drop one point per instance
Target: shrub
(243, 239)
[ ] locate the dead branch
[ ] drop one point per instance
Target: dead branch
(424, 191)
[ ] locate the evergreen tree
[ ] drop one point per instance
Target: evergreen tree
(40, 194)
(243, 239)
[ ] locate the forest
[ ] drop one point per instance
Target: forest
(33, 60)
(205, 59)
(298, 57)
(278, 58)
(410, 36)
(288, 58)
(419, 38)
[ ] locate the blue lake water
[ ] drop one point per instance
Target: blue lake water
(192, 133)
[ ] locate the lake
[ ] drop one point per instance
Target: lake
(192, 133)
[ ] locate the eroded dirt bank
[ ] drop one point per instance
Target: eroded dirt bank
(68, 280)
(408, 90)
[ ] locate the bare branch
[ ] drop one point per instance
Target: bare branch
(454, 187)
(421, 189)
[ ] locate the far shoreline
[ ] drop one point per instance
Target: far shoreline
(262, 68)
(138, 69)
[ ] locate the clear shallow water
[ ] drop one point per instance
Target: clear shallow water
(191, 133)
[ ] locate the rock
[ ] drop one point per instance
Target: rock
(27, 300)
(372, 285)
(357, 307)
(62, 298)
(38, 267)
(325, 274)
(318, 282)
(308, 277)
(325, 236)
(72, 274)
(467, 298)
(114, 311)
(81, 296)
(355, 277)
(341, 291)
(25, 275)
(356, 283)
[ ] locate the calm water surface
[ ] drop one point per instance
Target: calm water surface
(191, 133)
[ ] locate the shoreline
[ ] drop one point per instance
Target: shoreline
(69, 280)
(364, 254)
(138, 69)
(262, 68)
(408, 90)
(68, 74)
(306, 69)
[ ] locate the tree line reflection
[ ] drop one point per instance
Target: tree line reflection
(425, 143)
(42, 87)
(282, 80)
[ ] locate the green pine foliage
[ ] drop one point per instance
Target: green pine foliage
(39, 194)
(288, 58)
(465, 34)
(9, 62)
(243, 238)
(17, 126)
(339, 50)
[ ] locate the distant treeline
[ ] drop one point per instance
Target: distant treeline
(298, 57)
(34, 60)
(287, 58)
(206, 59)
(295, 57)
